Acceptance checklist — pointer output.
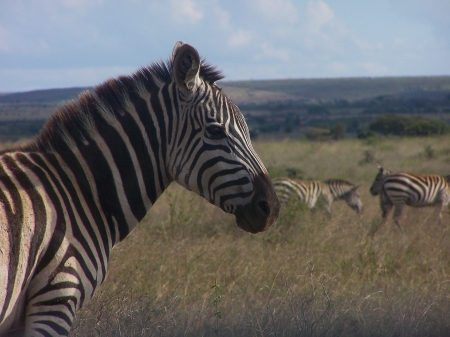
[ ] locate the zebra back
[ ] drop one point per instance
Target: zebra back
(416, 189)
(307, 191)
(310, 191)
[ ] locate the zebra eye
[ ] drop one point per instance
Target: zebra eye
(215, 132)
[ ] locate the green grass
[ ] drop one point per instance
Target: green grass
(306, 276)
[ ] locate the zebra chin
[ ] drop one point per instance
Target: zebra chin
(263, 209)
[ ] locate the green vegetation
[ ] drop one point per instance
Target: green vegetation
(18, 120)
(187, 270)
(409, 126)
(289, 107)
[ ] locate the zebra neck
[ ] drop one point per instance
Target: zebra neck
(117, 173)
(123, 173)
(339, 191)
(114, 144)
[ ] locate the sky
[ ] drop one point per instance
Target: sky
(73, 43)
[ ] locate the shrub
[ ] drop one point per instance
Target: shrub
(409, 126)
(317, 133)
(317, 110)
(337, 131)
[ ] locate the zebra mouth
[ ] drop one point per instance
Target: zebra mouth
(243, 223)
(262, 211)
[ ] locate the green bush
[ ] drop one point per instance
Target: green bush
(409, 126)
(337, 131)
(317, 110)
(426, 127)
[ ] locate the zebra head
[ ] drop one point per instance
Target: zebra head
(211, 152)
(375, 189)
(353, 199)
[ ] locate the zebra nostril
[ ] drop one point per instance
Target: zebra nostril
(264, 208)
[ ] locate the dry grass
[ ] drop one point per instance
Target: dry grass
(306, 276)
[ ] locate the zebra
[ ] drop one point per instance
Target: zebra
(309, 191)
(397, 189)
(95, 169)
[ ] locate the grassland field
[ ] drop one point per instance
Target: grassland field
(187, 270)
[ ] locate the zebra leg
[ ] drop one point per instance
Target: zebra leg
(328, 208)
(397, 214)
(386, 208)
(438, 211)
(328, 211)
(52, 317)
(53, 300)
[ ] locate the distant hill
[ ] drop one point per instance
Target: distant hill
(350, 89)
(308, 90)
(274, 106)
(42, 96)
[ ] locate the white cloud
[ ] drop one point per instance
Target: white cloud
(185, 11)
(276, 53)
(239, 39)
(277, 10)
(247, 39)
(323, 30)
(319, 15)
(221, 16)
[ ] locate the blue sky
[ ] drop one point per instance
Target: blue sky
(70, 43)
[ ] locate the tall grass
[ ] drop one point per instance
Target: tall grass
(307, 275)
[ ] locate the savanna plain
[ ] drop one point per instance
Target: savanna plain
(187, 270)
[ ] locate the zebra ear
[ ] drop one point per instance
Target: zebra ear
(186, 66)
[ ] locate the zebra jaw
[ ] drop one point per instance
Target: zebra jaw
(262, 211)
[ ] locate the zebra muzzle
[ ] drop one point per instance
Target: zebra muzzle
(263, 209)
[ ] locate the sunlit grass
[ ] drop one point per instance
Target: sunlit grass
(304, 276)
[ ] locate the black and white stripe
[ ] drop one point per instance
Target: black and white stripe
(397, 189)
(309, 191)
(99, 165)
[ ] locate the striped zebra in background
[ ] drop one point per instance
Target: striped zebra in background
(309, 191)
(98, 166)
(397, 189)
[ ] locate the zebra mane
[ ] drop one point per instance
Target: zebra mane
(76, 120)
(162, 71)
